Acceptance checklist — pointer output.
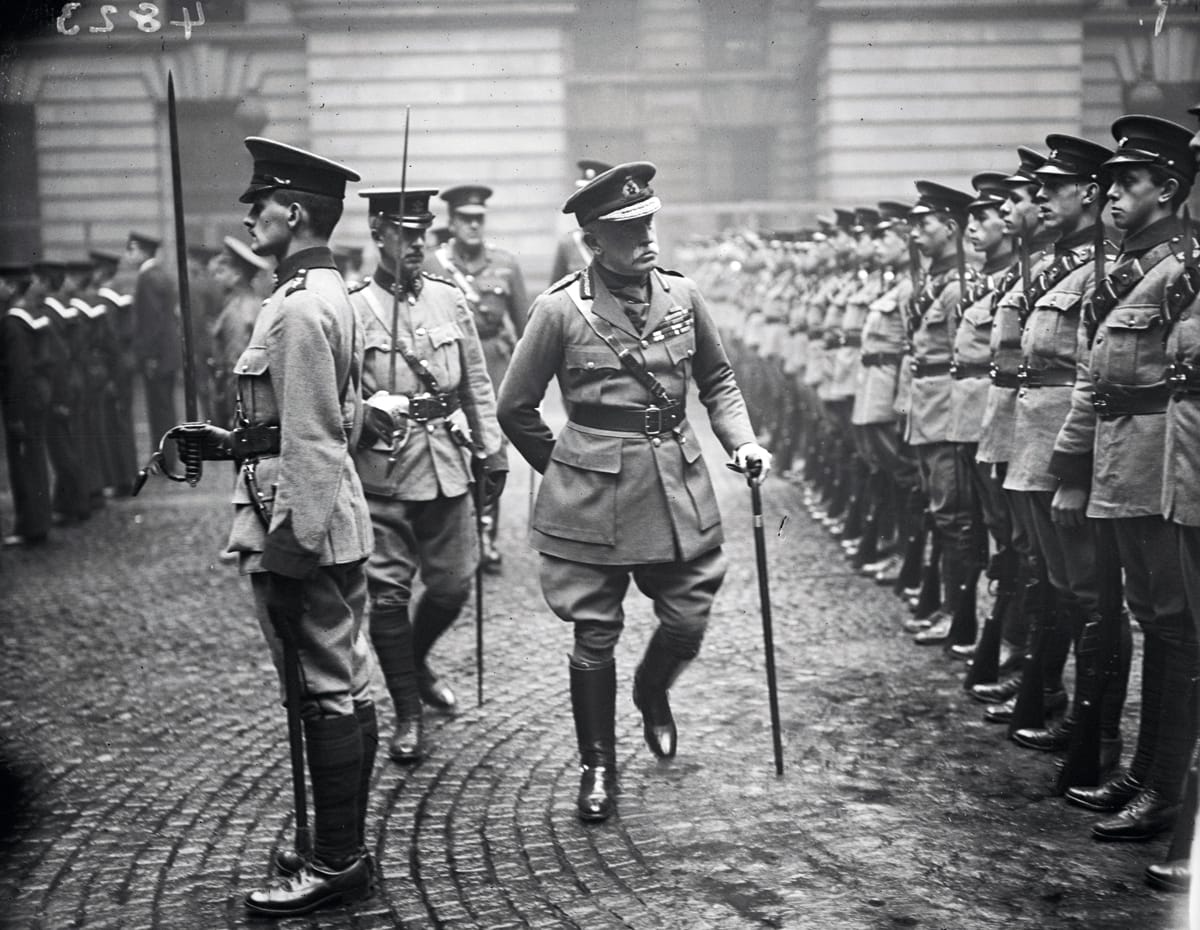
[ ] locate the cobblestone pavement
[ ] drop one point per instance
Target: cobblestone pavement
(146, 774)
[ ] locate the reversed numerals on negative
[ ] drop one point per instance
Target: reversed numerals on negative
(146, 17)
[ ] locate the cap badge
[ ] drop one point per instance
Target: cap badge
(631, 188)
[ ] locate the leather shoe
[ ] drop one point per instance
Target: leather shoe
(1053, 738)
(963, 651)
(314, 886)
(597, 792)
(405, 745)
(1143, 818)
(1170, 876)
(920, 625)
(1111, 796)
(434, 691)
(996, 692)
(937, 632)
(1000, 713)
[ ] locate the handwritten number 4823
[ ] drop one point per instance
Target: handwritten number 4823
(147, 17)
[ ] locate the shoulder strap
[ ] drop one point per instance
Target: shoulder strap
(419, 367)
(628, 360)
(456, 275)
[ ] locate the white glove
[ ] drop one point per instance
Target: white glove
(749, 452)
(394, 405)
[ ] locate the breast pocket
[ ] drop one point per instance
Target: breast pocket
(588, 369)
(1131, 346)
(255, 395)
(1054, 325)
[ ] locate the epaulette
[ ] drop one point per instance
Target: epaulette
(359, 285)
(563, 282)
(438, 278)
(298, 282)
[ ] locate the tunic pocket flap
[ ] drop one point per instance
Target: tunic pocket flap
(1061, 301)
(681, 347)
(600, 454)
(254, 361)
(590, 357)
(1144, 317)
(444, 334)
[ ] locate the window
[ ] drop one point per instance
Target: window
(735, 34)
(214, 167)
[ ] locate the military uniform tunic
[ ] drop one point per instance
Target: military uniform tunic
(611, 497)
(970, 376)
(882, 344)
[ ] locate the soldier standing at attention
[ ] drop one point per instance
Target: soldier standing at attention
(1113, 471)
(572, 254)
(430, 431)
(300, 526)
(491, 280)
(155, 303)
(233, 269)
(625, 491)
(25, 396)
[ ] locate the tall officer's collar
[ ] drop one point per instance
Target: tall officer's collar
(319, 256)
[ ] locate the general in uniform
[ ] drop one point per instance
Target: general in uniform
(430, 431)
(625, 491)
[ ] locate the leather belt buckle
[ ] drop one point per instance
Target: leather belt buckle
(652, 421)
(423, 407)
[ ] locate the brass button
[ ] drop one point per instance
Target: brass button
(645, 344)
(591, 364)
(656, 441)
(419, 331)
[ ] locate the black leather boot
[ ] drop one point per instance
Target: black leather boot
(340, 870)
(655, 674)
(1175, 873)
(929, 598)
(392, 637)
(594, 706)
(430, 621)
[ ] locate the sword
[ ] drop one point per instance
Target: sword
(1024, 309)
(192, 463)
(396, 286)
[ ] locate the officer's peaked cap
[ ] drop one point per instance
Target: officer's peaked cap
(467, 198)
(278, 166)
(865, 219)
(147, 242)
(621, 193)
(891, 213)
(104, 257)
(843, 219)
(1154, 142)
(940, 199)
(385, 202)
(589, 168)
(990, 189)
(1030, 161)
(1073, 157)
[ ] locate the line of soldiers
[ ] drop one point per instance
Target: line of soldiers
(981, 383)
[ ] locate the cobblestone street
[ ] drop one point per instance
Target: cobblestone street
(148, 773)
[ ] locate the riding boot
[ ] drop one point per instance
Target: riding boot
(1176, 740)
(368, 727)
(1044, 657)
(913, 531)
(430, 621)
(655, 674)
(594, 704)
(392, 637)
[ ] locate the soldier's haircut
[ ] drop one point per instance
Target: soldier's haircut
(323, 212)
(1159, 177)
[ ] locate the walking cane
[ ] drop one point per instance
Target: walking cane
(751, 473)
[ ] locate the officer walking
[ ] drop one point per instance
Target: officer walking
(300, 527)
(430, 431)
(625, 491)
(492, 282)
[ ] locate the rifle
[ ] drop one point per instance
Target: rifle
(192, 464)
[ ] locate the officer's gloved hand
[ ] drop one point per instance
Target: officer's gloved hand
(747, 454)
(285, 597)
(203, 441)
(385, 416)
(489, 478)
